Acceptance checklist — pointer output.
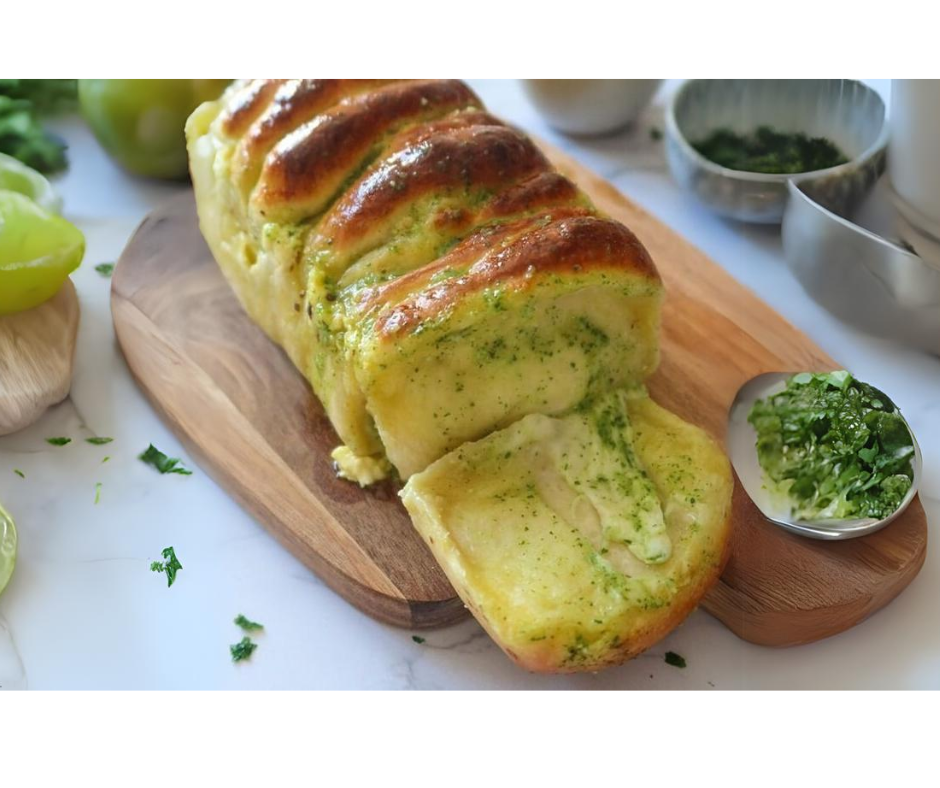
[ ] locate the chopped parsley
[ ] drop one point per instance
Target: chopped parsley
(243, 649)
(98, 495)
(834, 447)
(676, 660)
(98, 441)
(417, 639)
(767, 150)
(247, 624)
(19, 473)
(153, 456)
(22, 134)
(58, 441)
(105, 269)
(170, 565)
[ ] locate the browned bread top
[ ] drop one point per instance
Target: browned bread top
(410, 193)
(568, 242)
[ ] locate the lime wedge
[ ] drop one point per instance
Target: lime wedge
(38, 250)
(17, 177)
(7, 548)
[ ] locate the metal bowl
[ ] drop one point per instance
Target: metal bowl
(861, 277)
(742, 449)
(845, 111)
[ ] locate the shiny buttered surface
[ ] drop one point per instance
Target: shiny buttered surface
(436, 281)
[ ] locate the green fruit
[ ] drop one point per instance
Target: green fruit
(17, 177)
(7, 548)
(139, 122)
(38, 250)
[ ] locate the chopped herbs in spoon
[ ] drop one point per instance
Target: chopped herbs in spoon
(835, 448)
(169, 565)
(153, 456)
(58, 441)
(769, 151)
(243, 649)
(247, 624)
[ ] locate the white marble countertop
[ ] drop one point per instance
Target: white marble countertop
(84, 611)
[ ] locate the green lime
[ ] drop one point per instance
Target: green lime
(38, 250)
(7, 548)
(17, 177)
(140, 122)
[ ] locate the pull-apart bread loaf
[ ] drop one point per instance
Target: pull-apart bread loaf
(470, 321)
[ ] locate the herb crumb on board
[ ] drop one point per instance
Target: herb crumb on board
(105, 269)
(96, 441)
(19, 473)
(418, 639)
(58, 441)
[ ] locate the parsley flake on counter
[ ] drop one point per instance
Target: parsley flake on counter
(243, 649)
(153, 456)
(19, 473)
(58, 441)
(676, 660)
(97, 492)
(247, 624)
(98, 441)
(417, 639)
(170, 565)
(105, 269)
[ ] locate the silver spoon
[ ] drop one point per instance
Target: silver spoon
(742, 447)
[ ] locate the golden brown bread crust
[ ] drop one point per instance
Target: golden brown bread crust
(274, 108)
(545, 190)
(486, 157)
(510, 256)
(247, 104)
(305, 169)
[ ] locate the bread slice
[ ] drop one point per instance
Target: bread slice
(579, 541)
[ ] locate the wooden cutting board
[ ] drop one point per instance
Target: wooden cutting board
(252, 422)
(37, 351)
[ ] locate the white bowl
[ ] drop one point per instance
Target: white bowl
(590, 106)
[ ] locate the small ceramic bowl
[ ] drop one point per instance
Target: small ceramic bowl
(844, 111)
(590, 106)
